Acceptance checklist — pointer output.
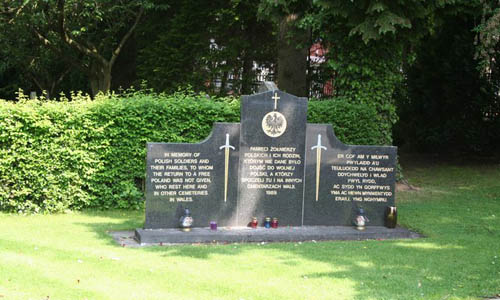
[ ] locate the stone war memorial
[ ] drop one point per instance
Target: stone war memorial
(271, 165)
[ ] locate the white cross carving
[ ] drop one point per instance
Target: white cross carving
(275, 98)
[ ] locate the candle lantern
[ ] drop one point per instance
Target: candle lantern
(391, 217)
(254, 222)
(186, 221)
(267, 222)
(274, 223)
(360, 219)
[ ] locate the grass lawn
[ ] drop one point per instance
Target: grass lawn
(71, 256)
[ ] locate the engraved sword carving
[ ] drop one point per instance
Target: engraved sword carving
(226, 148)
(318, 148)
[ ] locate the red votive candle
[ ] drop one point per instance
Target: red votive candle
(254, 222)
(274, 223)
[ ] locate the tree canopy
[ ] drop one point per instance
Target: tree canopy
(86, 35)
(373, 49)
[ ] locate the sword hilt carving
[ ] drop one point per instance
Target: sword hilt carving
(227, 145)
(318, 146)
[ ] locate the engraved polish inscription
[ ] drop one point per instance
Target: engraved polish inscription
(271, 169)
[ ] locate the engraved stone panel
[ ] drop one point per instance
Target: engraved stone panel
(201, 177)
(341, 178)
(272, 157)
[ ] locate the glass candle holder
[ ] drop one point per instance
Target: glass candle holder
(213, 225)
(274, 223)
(254, 222)
(267, 222)
(391, 217)
(186, 221)
(360, 219)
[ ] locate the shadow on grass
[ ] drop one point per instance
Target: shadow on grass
(397, 269)
(455, 261)
(114, 220)
(459, 258)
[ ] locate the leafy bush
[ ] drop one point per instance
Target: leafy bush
(353, 123)
(91, 153)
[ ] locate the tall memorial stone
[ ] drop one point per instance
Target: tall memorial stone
(273, 164)
(272, 145)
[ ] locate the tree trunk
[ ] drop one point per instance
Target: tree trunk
(223, 83)
(124, 72)
(247, 74)
(100, 79)
(292, 57)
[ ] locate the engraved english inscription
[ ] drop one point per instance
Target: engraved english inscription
(201, 177)
(181, 175)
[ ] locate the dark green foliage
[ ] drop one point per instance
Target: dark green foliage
(488, 41)
(173, 46)
(360, 79)
(449, 107)
(369, 43)
(203, 43)
(55, 38)
(357, 124)
(70, 155)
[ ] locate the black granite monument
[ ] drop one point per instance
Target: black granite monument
(272, 164)
(202, 177)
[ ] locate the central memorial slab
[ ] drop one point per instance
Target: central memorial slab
(272, 164)
(272, 151)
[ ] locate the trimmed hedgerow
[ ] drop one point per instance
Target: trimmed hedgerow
(91, 153)
(353, 123)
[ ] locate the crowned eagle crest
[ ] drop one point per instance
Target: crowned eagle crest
(274, 124)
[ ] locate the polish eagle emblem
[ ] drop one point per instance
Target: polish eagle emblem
(274, 124)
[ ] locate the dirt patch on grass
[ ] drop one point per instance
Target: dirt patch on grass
(403, 186)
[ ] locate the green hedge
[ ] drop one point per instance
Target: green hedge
(91, 153)
(353, 123)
